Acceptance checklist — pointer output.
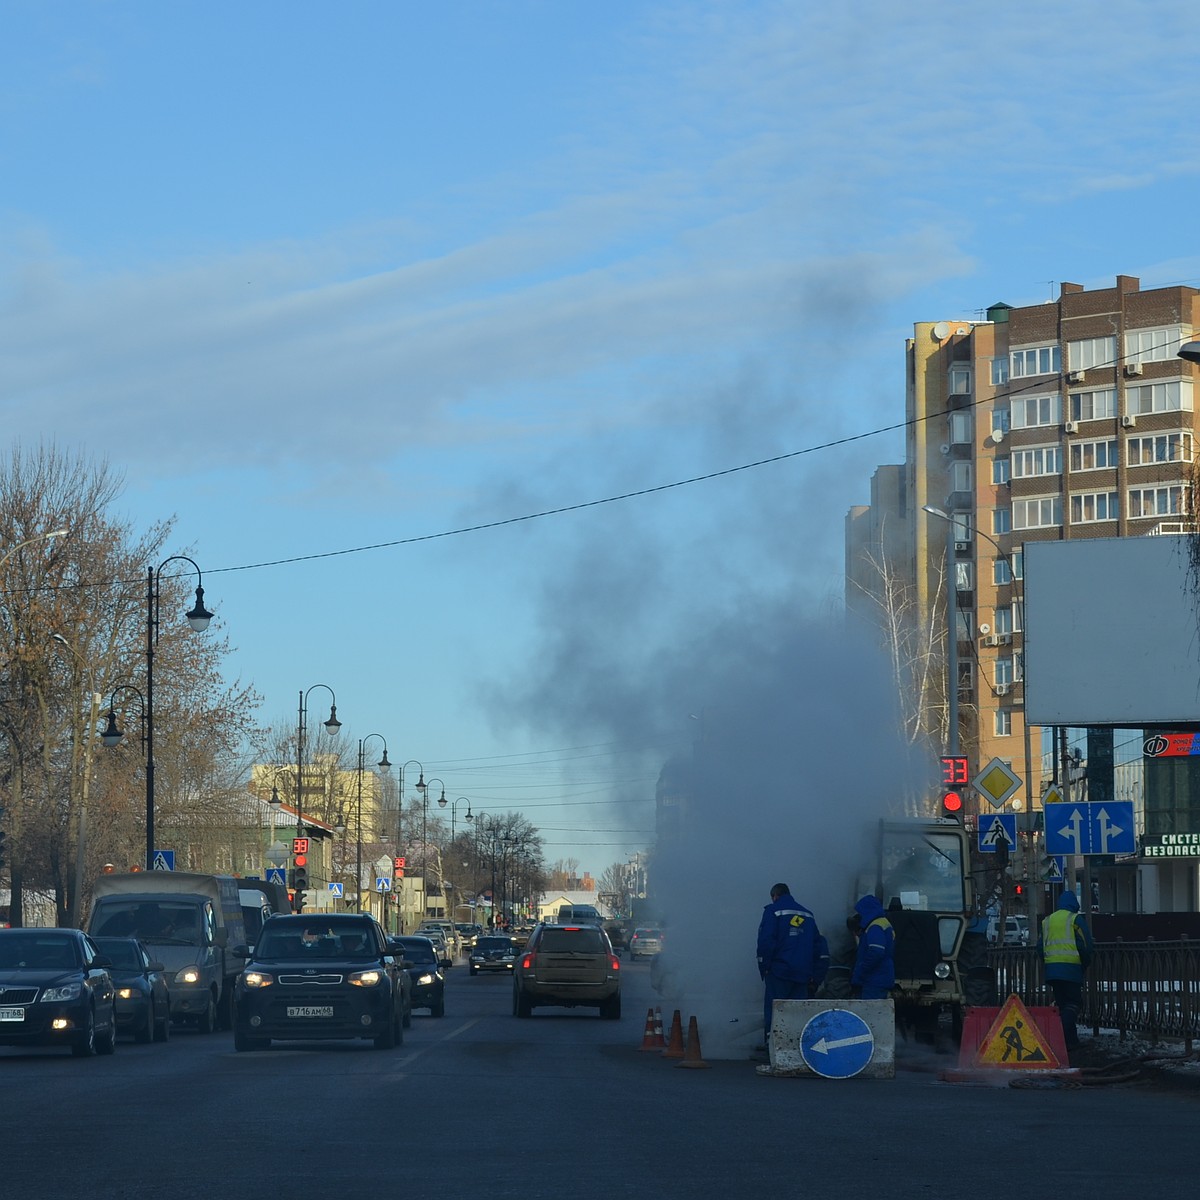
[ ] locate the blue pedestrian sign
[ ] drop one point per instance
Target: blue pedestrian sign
(1056, 868)
(996, 830)
(277, 875)
(837, 1043)
(164, 860)
(336, 889)
(1100, 827)
(383, 883)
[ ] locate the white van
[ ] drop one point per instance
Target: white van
(1016, 930)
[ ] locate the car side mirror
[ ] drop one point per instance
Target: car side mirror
(239, 952)
(101, 963)
(156, 967)
(221, 937)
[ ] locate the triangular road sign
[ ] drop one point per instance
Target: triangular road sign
(1014, 1041)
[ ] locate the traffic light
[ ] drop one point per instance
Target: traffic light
(1018, 891)
(300, 882)
(952, 805)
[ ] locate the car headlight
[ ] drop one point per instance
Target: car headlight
(188, 975)
(942, 971)
(68, 991)
(126, 993)
(257, 979)
(425, 980)
(371, 978)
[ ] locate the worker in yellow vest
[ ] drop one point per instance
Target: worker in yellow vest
(1066, 946)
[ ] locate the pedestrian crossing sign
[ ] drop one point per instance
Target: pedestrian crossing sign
(1014, 1041)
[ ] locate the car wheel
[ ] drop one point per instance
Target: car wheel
(84, 1045)
(145, 1031)
(521, 1005)
(438, 1009)
(243, 1041)
(106, 1043)
(610, 1009)
(474, 970)
(162, 1027)
(408, 1017)
(207, 1021)
(387, 1039)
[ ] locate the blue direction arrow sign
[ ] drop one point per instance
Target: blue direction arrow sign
(277, 875)
(1102, 827)
(837, 1043)
(995, 830)
(164, 860)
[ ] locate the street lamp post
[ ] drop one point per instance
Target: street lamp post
(420, 786)
(385, 767)
(332, 725)
(41, 537)
(113, 733)
(454, 811)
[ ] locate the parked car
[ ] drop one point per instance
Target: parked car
(645, 943)
(567, 965)
(492, 953)
(143, 1000)
(55, 990)
(1016, 930)
(319, 976)
(420, 961)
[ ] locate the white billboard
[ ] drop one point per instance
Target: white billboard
(1112, 632)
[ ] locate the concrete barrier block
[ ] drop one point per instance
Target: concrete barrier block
(852, 1038)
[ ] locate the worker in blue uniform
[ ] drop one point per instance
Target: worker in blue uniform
(793, 957)
(874, 973)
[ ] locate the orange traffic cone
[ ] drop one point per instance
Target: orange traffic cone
(649, 1041)
(691, 1057)
(659, 1040)
(675, 1045)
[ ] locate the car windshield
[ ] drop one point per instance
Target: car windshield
(565, 940)
(648, 933)
(37, 952)
(416, 953)
(494, 943)
(121, 952)
(162, 922)
(315, 939)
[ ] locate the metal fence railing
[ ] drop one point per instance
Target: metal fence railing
(1147, 988)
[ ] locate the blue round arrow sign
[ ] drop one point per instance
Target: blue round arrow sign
(837, 1043)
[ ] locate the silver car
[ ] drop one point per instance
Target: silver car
(645, 943)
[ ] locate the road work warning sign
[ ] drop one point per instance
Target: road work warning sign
(1014, 1041)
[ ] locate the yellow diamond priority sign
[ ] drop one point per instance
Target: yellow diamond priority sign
(996, 782)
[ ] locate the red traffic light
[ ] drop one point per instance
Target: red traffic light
(1018, 889)
(952, 803)
(301, 860)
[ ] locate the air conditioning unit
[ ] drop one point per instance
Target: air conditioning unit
(1133, 369)
(1076, 376)
(962, 546)
(1001, 689)
(1129, 421)
(1003, 639)
(1070, 426)
(992, 640)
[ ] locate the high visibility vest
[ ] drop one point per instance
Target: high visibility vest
(1058, 937)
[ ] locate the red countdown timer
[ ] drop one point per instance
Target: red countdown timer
(955, 772)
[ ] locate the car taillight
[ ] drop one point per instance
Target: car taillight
(527, 962)
(614, 963)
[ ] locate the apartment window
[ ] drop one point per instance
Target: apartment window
(1028, 412)
(960, 380)
(999, 371)
(964, 575)
(1004, 671)
(960, 428)
(1159, 448)
(963, 529)
(1096, 405)
(1153, 345)
(960, 477)
(1002, 722)
(1037, 460)
(1002, 620)
(1001, 571)
(1172, 395)
(1092, 352)
(964, 623)
(1018, 563)
(1087, 507)
(1038, 512)
(1018, 616)
(1168, 500)
(1001, 520)
(1039, 360)
(1000, 420)
(1091, 456)
(1001, 472)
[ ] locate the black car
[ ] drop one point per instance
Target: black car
(492, 953)
(55, 990)
(143, 1001)
(316, 976)
(425, 971)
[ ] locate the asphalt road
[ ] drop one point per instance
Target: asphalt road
(563, 1105)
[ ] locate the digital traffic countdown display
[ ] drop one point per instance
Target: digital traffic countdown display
(955, 771)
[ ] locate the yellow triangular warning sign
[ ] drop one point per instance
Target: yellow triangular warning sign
(1015, 1042)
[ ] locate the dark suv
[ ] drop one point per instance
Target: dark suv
(568, 965)
(313, 976)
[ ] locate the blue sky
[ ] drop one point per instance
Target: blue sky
(318, 277)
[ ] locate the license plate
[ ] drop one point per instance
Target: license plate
(12, 1014)
(310, 1010)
